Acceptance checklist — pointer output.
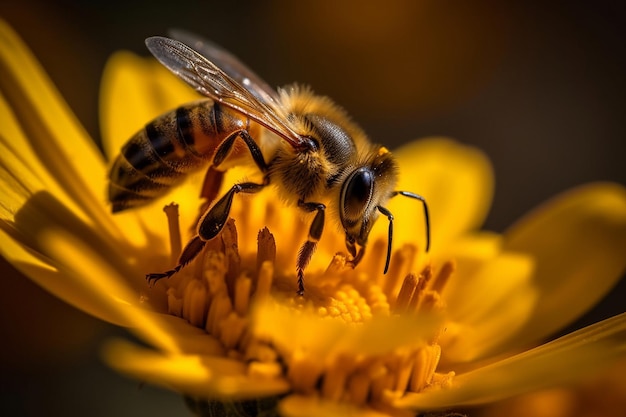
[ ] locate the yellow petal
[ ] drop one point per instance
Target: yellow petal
(21, 174)
(488, 306)
(560, 362)
(61, 283)
(457, 182)
(327, 337)
(68, 258)
(133, 92)
(191, 374)
(578, 241)
(28, 189)
(54, 135)
(86, 281)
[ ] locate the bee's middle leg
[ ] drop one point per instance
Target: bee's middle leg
(225, 147)
(315, 234)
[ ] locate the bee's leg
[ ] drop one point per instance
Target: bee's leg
(211, 185)
(191, 250)
(214, 219)
(224, 148)
(315, 234)
(210, 225)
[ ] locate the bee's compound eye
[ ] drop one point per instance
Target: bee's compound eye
(357, 193)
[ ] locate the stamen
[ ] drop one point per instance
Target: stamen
(173, 225)
(418, 294)
(174, 303)
(406, 292)
(231, 252)
(440, 281)
(375, 264)
(264, 281)
(430, 302)
(358, 387)
(195, 303)
(427, 359)
(405, 365)
(232, 329)
(242, 294)
(399, 268)
(266, 248)
(304, 371)
(381, 384)
(214, 272)
(220, 308)
(335, 378)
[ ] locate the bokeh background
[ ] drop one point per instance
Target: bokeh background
(539, 86)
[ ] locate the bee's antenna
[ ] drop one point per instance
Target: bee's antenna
(389, 235)
(426, 217)
(390, 217)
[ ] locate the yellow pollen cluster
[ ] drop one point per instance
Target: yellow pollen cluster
(219, 290)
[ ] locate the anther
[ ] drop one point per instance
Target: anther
(440, 281)
(173, 225)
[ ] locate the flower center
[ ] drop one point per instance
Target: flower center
(221, 291)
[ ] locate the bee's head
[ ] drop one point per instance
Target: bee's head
(363, 194)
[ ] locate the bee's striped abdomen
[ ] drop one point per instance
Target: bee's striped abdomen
(166, 150)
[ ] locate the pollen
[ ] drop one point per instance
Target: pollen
(382, 151)
(250, 304)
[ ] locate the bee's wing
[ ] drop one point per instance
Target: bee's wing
(211, 81)
(228, 63)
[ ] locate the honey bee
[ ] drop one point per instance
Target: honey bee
(304, 144)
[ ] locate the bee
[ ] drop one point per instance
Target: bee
(304, 144)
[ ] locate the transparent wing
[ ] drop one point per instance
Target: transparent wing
(211, 81)
(228, 63)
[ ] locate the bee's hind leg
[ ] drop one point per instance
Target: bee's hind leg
(213, 220)
(210, 225)
(191, 250)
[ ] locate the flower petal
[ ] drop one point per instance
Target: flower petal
(93, 288)
(456, 181)
(54, 135)
(328, 338)
(133, 92)
(487, 306)
(556, 363)
(578, 241)
(54, 280)
(192, 374)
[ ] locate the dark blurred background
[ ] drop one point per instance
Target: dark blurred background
(539, 87)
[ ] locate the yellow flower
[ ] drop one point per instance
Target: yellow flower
(440, 330)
